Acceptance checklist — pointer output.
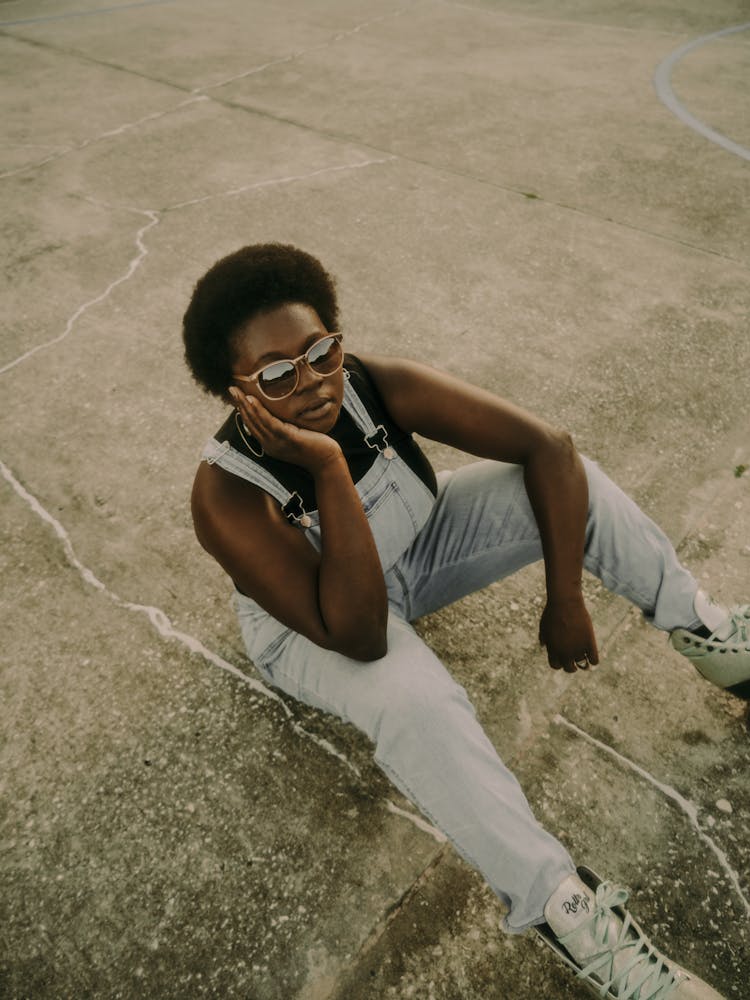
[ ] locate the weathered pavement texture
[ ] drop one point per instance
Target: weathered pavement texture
(501, 190)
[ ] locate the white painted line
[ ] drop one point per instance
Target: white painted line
(129, 272)
(271, 182)
(417, 820)
(166, 629)
(690, 809)
(154, 219)
(159, 619)
(117, 130)
(663, 86)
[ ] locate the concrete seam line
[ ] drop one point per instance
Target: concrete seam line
(196, 93)
(665, 93)
(299, 53)
(349, 140)
(573, 24)
(690, 809)
(83, 13)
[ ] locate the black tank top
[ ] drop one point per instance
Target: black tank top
(358, 454)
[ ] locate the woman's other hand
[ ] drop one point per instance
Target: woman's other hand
(566, 630)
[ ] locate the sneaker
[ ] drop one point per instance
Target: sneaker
(721, 650)
(592, 932)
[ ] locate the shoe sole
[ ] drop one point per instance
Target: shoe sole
(545, 933)
(741, 690)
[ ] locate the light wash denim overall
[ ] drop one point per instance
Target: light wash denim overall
(433, 551)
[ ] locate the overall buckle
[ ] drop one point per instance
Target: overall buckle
(379, 439)
(294, 511)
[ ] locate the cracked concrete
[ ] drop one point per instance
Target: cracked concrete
(500, 191)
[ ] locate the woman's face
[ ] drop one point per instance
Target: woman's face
(286, 333)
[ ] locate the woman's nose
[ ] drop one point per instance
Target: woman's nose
(306, 374)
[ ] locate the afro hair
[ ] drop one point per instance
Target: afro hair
(256, 279)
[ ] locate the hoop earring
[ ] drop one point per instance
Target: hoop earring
(240, 425)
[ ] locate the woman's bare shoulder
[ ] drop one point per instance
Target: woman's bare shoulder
(222, 503)
(246, 532)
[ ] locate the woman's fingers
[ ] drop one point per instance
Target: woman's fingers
(278, 438)
(570, 664)
(568, 633)
(254, 415)
(571, 661)
(241, 402)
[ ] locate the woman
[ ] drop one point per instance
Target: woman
(319, 505)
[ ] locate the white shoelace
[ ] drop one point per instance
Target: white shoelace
(629, 965)
(735, 628)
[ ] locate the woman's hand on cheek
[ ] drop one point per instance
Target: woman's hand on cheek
(283, 440)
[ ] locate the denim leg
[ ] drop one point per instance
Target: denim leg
(430, 744)
(483, 528)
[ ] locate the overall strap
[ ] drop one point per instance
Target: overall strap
(356, 408)
(231, 460)
(375, 437)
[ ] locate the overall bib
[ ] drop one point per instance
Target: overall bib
(433, 551)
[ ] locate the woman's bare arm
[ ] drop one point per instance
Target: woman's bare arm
(438, 406)
(337, 598)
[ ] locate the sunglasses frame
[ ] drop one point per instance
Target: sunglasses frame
(295, 362)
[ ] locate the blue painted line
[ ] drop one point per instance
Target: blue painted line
(663, 86)
(83, 13)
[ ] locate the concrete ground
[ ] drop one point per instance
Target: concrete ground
(502, 191)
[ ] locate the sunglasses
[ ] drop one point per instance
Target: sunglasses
(279, 379)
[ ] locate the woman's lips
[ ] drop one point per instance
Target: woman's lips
(317, 409)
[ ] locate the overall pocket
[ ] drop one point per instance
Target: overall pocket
(393, 524)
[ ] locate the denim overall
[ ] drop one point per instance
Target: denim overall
(396, 502)
(480, 528)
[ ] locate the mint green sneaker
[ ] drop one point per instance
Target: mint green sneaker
(589, 928)
(721, 650)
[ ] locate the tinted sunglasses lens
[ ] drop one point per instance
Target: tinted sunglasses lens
(325, 356)
(278, 380)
